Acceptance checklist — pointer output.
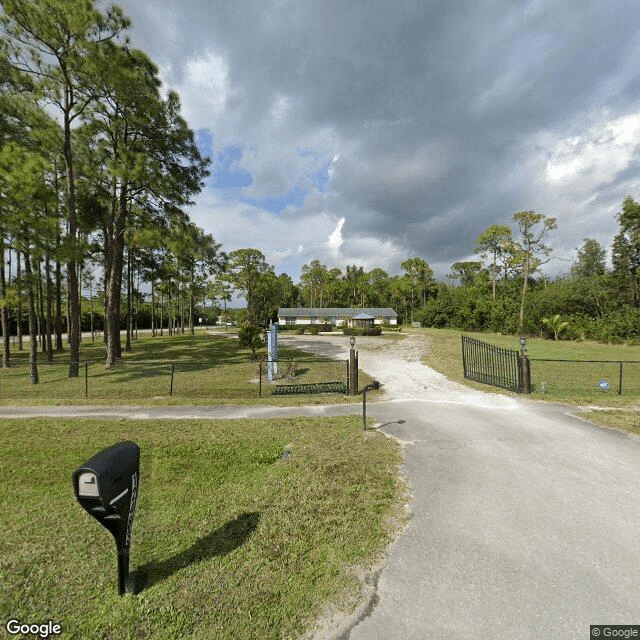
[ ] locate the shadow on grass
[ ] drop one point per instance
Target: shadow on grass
(228, 537)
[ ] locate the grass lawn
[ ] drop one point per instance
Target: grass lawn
(209, 369)
(237, 539)
(615, 418)
(445, 356)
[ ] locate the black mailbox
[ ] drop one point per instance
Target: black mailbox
(106, 486)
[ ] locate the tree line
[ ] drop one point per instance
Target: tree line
(503, 291)
(97, 166)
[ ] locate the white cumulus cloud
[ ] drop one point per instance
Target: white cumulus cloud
(335, 239)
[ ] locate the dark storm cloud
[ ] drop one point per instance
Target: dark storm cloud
(443, 116)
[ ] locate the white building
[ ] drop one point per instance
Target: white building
(336, 316)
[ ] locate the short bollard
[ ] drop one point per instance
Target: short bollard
(106, 486)
(374, 386)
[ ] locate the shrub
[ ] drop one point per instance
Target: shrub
(250, 336)
(288, 327)
(300, 331)
(372, 331)
(314, 330)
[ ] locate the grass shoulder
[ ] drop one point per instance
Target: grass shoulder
(207, 368)
(622, 420)
(444, 354)
(244, 529)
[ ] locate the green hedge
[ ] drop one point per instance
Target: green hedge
(362, 331)
(306, 328)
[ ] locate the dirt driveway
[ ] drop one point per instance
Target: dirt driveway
(397, 363)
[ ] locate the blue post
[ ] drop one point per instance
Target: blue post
(272, 351)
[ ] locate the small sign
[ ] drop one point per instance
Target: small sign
(604, 385)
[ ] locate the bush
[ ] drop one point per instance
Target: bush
(362, 331)
(250, 336)
(387, 326)
(288, 327)
(314, 330)
(300, 331)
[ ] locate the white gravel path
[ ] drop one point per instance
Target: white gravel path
(397, 362)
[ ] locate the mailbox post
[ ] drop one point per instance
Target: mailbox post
(106, 486)
(374, 386)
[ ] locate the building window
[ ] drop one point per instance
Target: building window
(314, 320)
(290, 320)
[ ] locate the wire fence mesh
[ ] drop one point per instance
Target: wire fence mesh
(580, 376)
(136, 380)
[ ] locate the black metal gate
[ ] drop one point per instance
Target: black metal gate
(486, 363)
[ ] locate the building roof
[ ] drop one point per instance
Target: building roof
(335, 311)
(363, 316)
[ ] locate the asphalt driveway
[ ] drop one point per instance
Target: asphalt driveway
(526, 520)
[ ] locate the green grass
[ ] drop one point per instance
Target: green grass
(236, 541)
(616, 419)
(144, 375)
(577, 384)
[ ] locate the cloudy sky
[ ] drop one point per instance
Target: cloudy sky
(368, 132)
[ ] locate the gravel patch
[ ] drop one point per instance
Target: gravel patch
(397, 362)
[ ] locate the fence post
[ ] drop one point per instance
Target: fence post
(353, 370)
(364, 409)
(525, 372)
(620, 383)
(348, 383)
(464, 357)
(355, 375)
(173, 368)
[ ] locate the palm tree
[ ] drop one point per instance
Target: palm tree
(555, 324)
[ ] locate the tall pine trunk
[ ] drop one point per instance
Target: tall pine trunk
(129, 319)
(33, 331)
(19, 300)
(114, 257)
(72, 273)
(59, 342)
(4, 308)
(153, 309)
(49, 317)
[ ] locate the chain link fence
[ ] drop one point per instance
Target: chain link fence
(223, 379)
(585, 376)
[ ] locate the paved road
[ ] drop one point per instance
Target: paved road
(526, 524)
(526, 520)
